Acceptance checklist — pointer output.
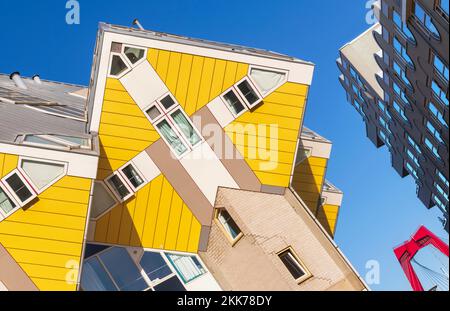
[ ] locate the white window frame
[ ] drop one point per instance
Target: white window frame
(125, 183)
(299, 262)
(27, 184)
(246, 102)
(65, 144)
(133, 47)
(120, 171)
(106, 187)
(285, 72)
(4, 215)
(125, 62)
(37, 190)
(222, 97)
(166, 115)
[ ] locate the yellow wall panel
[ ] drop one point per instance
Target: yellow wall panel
(46, 238)
(183, 79)
(139, 216)
(8, 163)
(163, 64)
(174, 66)
(327, 216)
(194, 85)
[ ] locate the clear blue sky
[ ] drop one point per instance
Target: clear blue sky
(380, 209)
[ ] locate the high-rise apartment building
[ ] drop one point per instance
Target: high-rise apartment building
(183, 166)
(396, 76)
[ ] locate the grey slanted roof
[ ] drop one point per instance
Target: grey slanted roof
(19, 119)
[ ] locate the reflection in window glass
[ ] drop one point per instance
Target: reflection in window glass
(292, 264)
(188, 267)
(267, 80)
(117, 65)
(95, 278)
(134, 54)
(118, 186)
(248, 92)
(228, 224)
(123, 270)
(171, 285)
(186, 127)
(133, 176)
(155, 266)
(425, 19)
(19, 188)
(6, 204)
(172, 138)
(234, 102)
(83, 142)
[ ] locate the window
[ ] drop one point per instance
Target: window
(155, 266)
(439, 93)
(403, 28)
(400, 111)
(401, 94)
(412, 171)
(102, 200)
(234, 103)
(266, 80)
(385, 139)
(134, 54)
(439, 116)
(7, 205)
(444, 6)
(293, 264)
(385, 125)
(442, 178)
(173, 125)
(19, 188)
(401, 51)
(402, 74)
(440, 204)
(302, 155)
(384, 109)
(432, 148)
(440, 68)
(119, 187)
(248, 92)
(118, 65)
(435, 132)
(58, 141)
(228, 225)
(42, 174)
(132, 175)
(441, 191)
(359, 108)
(412, 157)
(187, 267)
(425, 20)
(95, 278)
(413, 144)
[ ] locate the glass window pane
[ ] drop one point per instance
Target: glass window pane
(172, 138)
(248, 92)
(117, 65)
(38, 140)
(42, 174)
(19, 188)
(118, 186)
(186, 127)
(101, 201)
(187, 267)
(292, 264)
(155, 266)
(84, 142)
(134, 54)
(171, 285)
(95, 278)
(229, 224)
(233, 102)
(168, 102)
(266, 80)
(6, 204)
(133, 176)
(123, 270)
(153, 112)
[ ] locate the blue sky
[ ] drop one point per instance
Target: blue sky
(380, 209)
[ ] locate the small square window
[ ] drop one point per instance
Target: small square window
(134, 54)
(167, 102)
(228, 225)
(118, 66)
(102, 200)
(7, 205)
(153, 113)
(249, 93)
(233, 102)
(293, 264)
(19, 188)
(119, 187)
(133, 176)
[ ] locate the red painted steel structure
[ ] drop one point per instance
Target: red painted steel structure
(406, 252)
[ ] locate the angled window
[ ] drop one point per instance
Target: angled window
(133, 176)
(155, 266)
(401, 51)
(186, 127)
(19, 188)
(384, 109)
(432, 148)
(233, 102)
(95, 277)
(425, 20)
(385, 139)
(118, 65)
(402, 74)
(412, 170)
(171, 137)
(102, 200)
(439, 116)
(134, 54)
(440, 68)
(248, 93)
(187, 267)
(434, 132)
(119, 187)
(412, 157)
(441, 191)
(439, 93)
(228, 225)
(444, 6)
(266, 80)
(42, 173)
(400, 111)
(402, 27)
(413, 144)
(7, 205)
(401, 93)
(293, 265)
(384, 124)
(58, 141)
